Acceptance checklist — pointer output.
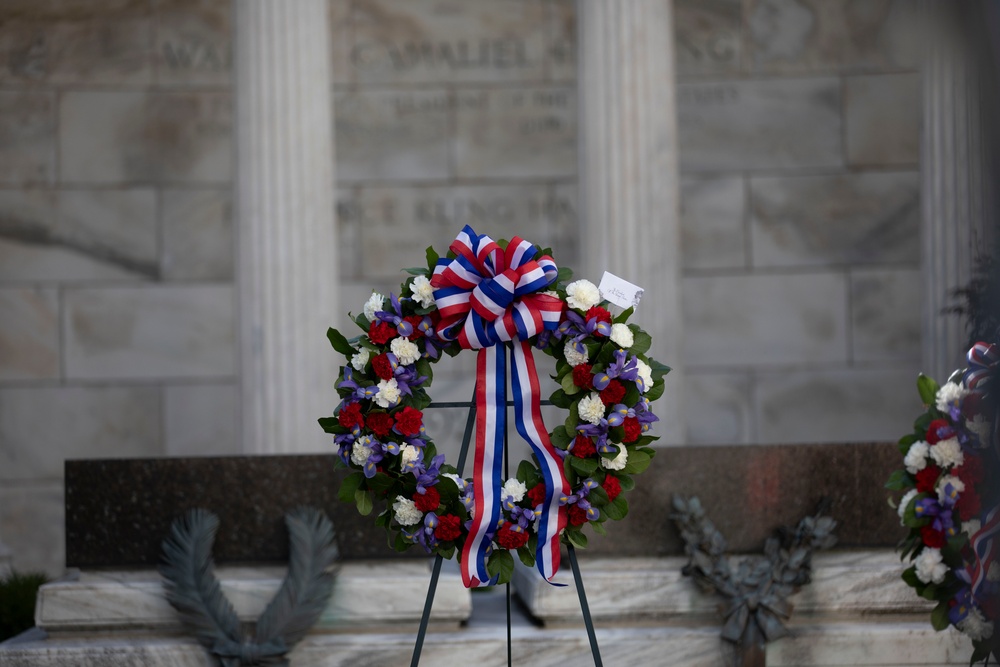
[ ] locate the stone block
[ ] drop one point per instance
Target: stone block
(396, 224)
(841, 405)
(197, 234)
(516, 133)
(882, 117)
(764, 319)
(193, 42)
(392, 134)
(76, 43)
(795, 36)
(448, 41)
(112, 137)
(27, 136)
(562, 41)
(712, 229)
(768, 123)
(341, 40)
(718, 408)
(885, 315)
(40, 427)
(860, 218)
(31, 520)
(201, 419)
(29, 333)
(707, 37)
(152, 332)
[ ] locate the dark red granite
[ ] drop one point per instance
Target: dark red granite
(119, 511)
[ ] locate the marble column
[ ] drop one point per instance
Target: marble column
(958, 177)
(630, 219)
(287, 255)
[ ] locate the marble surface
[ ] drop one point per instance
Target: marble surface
(193, 42)
(198, 238)
(882, 115)
(27, 136)
(33, 516)
(201, 419)
(719, 408)
(29, 333)
(885, 314)
(708, 37)
(712, 224)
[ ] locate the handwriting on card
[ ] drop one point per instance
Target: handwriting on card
(620, 292)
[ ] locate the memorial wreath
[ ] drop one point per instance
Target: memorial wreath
(948, 504)
(501, 299)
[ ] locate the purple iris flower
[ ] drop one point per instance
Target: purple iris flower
(579, 498)
(346, 442)
(377, 454)
(623, 367)
(423, 534)
(349, 383)
(962, 607)
(522, 517)
(939, 511)
(599, 434)
(406, 377)
(395, 317)
(427, 476)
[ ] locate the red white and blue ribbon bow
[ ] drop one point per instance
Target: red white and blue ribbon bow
(490, 299)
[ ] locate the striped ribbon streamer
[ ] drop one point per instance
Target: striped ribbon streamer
(489, 298)
(982, 546)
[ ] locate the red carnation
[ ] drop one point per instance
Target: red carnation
(927, 479)
(601, 315)
(409, 420)
(577, 515)
(613, 393)
(612, 486)
(633, 429)
(449, 528)
(427, 501)
(536, 494)
(971, 470)
(510, 539)
(350, 416)
(583, 447)
(415, 321)
(382, 366)
(933, 538)
(582, 377)
(380, 423)
(968, 504)
(932, 431)
(381, 333)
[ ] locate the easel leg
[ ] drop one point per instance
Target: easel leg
(426, 617)
(594, 649)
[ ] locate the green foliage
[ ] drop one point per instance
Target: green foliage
(928, 389)
(18, 593)
(500, 563)
(340, 343)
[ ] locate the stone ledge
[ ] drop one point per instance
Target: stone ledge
(846, 585)
(365, 596)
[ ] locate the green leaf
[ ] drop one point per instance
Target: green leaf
(899, 480)
(906, 442)
(922, 423)
(381, 482)
(330, 424)
(500, 563)
(642, 340)
(910, 577)
(576, 538)
(656, 391)
(561, 437)
(424, 368)
(569, 471)
(565, 275)
(598, 528)
(416, 271)
(340, 343)
(617, 509)
(631, 394)
(568, 387)
(526, 555)
(560, 399)
(627, 482)
(939, 617)
(586, 467)
(348, 487)
(638, 461)
(363, 499)
(981, 652)
(432, 258)
(598, 497)
(657, 369)
(927, 388)
(624, 315)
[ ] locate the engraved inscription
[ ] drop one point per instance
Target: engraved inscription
(483, 54)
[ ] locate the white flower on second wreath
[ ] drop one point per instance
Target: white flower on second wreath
(949, 396)
(904, 502)
(916, 457)
(645, 374)
(617, 463)
(574, 358)
(405, 350)
(406, 512)
(582, 294)
(373, 305)
(930, 566)
(422, 291)
(388, 393)
(943, 481)
(975, 625)
(591, 408)
(947, 453)
(360, 359)
(515, 489)
(622, 335)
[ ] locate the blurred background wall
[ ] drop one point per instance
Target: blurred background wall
(799, 125)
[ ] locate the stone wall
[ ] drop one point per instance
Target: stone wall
(799, 142)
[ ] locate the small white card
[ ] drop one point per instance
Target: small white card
(620, 292)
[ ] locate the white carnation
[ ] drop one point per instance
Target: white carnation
(944, 481)
(591, 408)
(993, 573)
(388, 393)
(574, 358)
(971, 527)
(949, 395)
(930, 568)
(947, 453)
(916, 457)
(981, 428)
(405, 350)
(975, 625)
(514, 489)
(408, 454)
(646, 373)
(360, 359)
(904, 502)
(422, 291)
(360, 453)
(617, 463)
(622, 335)
(373, 305)
(406, 512)
(582, 294)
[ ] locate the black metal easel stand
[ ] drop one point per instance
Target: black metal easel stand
(436, 570)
